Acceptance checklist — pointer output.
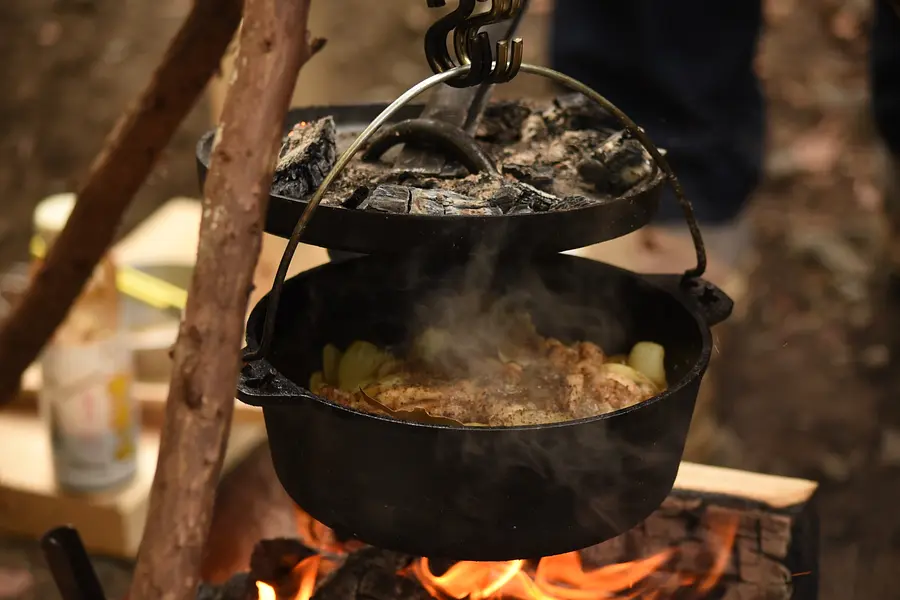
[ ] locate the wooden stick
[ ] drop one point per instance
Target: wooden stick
(117, 173)
(274, 44)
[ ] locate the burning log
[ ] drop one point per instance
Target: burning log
(274, 44)
(372, 574)
(239, 587)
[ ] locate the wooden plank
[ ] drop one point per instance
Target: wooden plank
(773, 490)
(111, 523)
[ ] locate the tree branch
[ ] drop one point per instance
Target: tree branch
(129, 153)
(274, 44)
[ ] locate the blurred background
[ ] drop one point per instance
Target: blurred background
(808, 379)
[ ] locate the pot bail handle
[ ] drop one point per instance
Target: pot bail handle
(274, 297)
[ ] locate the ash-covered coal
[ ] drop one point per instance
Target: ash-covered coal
(565, 155)
(307, 155)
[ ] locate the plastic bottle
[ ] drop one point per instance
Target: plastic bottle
(87, 370)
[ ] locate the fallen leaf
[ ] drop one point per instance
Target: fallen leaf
(417, 415)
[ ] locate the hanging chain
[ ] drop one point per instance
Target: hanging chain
(472, 46)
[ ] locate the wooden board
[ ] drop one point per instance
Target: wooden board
(170, 236)
(772, 490)
(111, 523)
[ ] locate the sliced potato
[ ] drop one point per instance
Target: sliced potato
(649, 359)
(359, 365)
(331, 359)
(316, 381)
(629, 374)
(619, 359)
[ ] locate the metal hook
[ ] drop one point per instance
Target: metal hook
(478, 56)
(436, 51)
(509, 52)
(473, 46)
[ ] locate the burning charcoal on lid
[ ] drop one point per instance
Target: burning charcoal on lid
(577, 112)
(507, 197)
(454, 200)
(455, 204)
(358, 199)
(616, 166)
(484, 211)
(574, 202)
(534, 129)
(426, 202)
(539, 201)
(307, 155)
(502, 122)
(239, 587)
(539, 176)
(521, 209)
(390, 199)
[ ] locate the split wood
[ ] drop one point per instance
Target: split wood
(127, 157)
(273, 46)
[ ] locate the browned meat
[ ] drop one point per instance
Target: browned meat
(525, 379)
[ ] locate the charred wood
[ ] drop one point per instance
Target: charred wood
(308, 154)
(240, 587)
(274, 561)
(390, 199)
(575, 112)
(372, 574)
(542, 164)
(773, 555)
(426, 202)
(502, 122)
(539, 176)
(616, 166)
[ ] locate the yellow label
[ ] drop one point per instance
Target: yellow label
(122, 415)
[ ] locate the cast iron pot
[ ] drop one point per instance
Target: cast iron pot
(472, 493)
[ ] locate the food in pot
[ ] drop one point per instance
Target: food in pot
(517, 378)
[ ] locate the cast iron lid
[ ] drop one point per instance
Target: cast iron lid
(367, 224)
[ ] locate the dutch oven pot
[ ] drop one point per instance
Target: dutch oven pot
(478, 493)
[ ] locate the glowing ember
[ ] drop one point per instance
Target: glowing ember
(305, 574)
(562, 577)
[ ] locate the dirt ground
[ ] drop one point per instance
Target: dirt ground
(809, 373)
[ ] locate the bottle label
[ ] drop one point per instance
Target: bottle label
(93, 420)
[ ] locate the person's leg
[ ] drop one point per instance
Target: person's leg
(684, 71)
(885, 80)
(885, 74)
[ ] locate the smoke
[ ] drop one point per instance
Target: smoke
(599, 469)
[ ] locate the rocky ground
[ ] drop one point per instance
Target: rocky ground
(809, 373)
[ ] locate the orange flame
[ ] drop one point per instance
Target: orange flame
(317, 536)
(561, 577)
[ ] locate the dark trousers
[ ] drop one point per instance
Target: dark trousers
(683, 69)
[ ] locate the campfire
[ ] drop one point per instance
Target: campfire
(721, 535)
(572, 576)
